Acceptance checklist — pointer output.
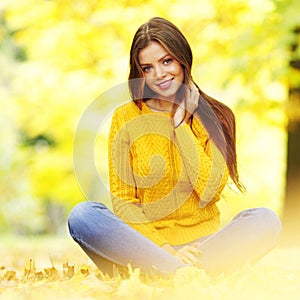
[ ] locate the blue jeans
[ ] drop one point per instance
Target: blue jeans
(109, 241)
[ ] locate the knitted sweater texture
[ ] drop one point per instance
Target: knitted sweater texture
(164, 181)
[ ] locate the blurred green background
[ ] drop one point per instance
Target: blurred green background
(57, 56)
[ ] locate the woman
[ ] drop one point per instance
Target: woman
(171, 151)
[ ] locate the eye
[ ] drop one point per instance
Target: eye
(167, 61)
(146, 69)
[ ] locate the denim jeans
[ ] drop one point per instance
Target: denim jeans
(109, 241)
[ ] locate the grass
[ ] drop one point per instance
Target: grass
(56, 268)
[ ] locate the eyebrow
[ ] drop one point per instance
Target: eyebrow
(162, 58)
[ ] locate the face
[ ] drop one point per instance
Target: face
(163, 73)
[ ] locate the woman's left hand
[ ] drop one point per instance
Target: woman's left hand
(187, 107)
(189, 255)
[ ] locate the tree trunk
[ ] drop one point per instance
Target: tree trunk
(291, 218)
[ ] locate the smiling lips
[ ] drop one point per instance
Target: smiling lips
(165, 84)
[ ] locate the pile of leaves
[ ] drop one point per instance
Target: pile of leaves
(273, 278)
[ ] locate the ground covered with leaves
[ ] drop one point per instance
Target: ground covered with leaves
(55, 268)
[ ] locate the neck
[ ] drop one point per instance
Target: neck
(160, 105)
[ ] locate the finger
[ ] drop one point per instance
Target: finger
(191, 259)
(179, 116)
(192, 100)
(194, 87)
(189, 254)
(184, 259)
(196, 247)
(195, 251)
(193, 247)
(197, 244)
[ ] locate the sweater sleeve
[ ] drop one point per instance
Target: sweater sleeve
(123, 187)
(207, 170)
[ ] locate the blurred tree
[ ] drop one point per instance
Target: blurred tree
(17, 203)
(70, 51)
(292, 204)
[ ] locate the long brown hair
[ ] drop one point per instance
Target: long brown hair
(216, 117)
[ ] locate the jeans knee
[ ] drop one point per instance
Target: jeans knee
(86, 216)
(78, 216)
(265, 221)
(271, 224)
(76, 213)
(271, 218)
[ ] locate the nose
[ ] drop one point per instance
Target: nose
(160, 72)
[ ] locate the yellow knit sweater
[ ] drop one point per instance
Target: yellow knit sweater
(164, 181)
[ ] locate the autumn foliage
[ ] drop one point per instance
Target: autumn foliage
(56, 58)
